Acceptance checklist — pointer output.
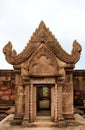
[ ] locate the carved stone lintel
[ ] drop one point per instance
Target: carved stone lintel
(60, 79)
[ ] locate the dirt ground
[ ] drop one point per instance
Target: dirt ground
(5, 125)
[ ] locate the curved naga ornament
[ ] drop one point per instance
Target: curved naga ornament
(76, 51)
(64, 56)
(14, 59)
(9, 53)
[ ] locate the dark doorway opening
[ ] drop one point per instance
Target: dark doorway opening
(43, 100)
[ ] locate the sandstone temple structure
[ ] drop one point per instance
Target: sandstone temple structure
(43, 79)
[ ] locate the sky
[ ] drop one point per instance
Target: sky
(20, 18)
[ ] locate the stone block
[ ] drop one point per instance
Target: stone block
(1, 83)
(1, 93)
(12, 97)
(4, 88)
(13, 91)
(0, 97)
(5, 97)
(8, 92)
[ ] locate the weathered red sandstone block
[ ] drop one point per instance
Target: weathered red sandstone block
(4, 88)
(1, 83)
(12, 97)
(13, 91)
(8, 92)
(1, 93)
(0, 97)
(5, 97)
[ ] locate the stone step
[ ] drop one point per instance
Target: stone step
(3, 110)
(2, 116)
(43, 121)
(43, 118)
(4, 107)
(43, 124)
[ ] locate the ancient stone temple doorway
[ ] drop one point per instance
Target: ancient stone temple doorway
(43, 74)
(43, 94)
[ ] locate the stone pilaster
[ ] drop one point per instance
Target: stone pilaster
(34, 103)
(31, 103)
(52, 103)
(55, 104)
(61, 121)
(26, 102)
(19, 92)
(68, 97)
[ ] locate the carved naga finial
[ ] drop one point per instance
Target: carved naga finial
(76, 47)
(9, 53)
(76, 51)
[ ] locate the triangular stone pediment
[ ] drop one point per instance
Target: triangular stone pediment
(43, 62)
(42, 35)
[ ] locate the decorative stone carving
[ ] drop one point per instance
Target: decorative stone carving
(42, 35)
(43, 63)
(9, 53)
(24, 71)
(56, 102)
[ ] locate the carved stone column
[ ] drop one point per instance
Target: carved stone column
(55, 104)
(34, 103)
(19, 92)
(31, 103)
(26, 102)
(52, 103)
(68, 97)
(61, 122)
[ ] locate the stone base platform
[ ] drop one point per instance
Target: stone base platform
(45, 121)
(42, 121)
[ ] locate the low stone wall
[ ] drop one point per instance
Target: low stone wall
(79, 97)
(6, 92)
